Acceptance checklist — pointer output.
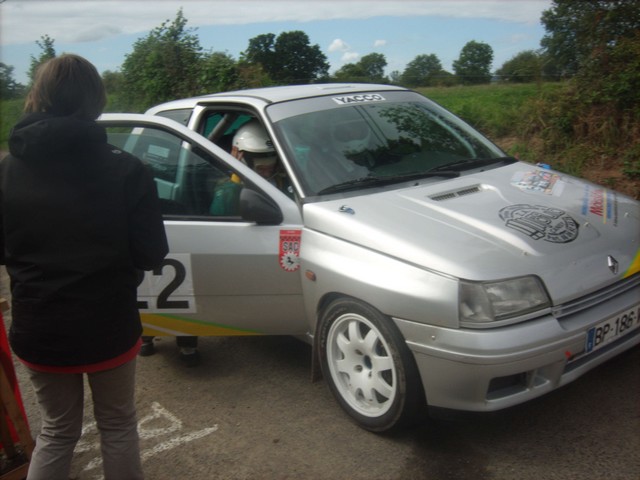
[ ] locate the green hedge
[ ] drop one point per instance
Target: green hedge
(10, 111)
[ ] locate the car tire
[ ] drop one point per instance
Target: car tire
(368, 366)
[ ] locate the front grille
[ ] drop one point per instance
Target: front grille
(596, 298)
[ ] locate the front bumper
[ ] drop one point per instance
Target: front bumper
(492, 369)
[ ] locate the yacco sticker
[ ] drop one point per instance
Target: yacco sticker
(541, 223)
(290, 249)
(367, 97)
(539, 181)
(601, 203)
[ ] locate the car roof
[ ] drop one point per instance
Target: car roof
(266, 95)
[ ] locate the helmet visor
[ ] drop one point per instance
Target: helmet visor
(266, 159)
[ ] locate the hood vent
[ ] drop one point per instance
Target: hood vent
(441, 197)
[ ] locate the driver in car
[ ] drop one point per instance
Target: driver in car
(253, 147)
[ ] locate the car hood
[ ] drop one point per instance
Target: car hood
(505, 222)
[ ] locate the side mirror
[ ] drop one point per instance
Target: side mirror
(257, 207)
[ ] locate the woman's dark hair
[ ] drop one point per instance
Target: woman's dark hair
(67, 85)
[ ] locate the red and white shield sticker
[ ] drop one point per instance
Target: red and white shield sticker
(290, 249)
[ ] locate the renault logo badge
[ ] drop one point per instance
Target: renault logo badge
(612, 263)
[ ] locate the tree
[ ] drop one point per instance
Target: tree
(48, 51)
(219, 72)
(262, 50)
(395, 77)
(576, 29)
(164, 65)
(113, 81)
(287, 58)
(114, 84)
(373, 66)
(351, 72)
(599, 43)
(523, 67)
(9, 88)
(252, 75)
(593, 119)
(421, 71)
(297, 60)
(473, 66)
(370, 69)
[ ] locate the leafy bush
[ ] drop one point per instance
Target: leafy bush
(550, 123)
(598, 141)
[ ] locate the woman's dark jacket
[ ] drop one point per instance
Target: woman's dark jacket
(80, 219)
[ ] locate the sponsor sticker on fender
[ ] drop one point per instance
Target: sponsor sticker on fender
(601, 203)
(289, 252)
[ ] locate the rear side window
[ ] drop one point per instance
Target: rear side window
(221, 126)
(181, 116)
(233, 122)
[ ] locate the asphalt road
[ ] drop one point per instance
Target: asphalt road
(250, 411)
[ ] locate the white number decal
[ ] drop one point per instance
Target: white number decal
(168, 288)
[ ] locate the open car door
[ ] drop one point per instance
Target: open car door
(229, 272)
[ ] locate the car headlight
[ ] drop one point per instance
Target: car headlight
(484, 302)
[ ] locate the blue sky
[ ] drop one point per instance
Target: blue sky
(345, 30)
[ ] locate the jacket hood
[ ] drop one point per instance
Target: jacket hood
(506, 222)
(41, 134)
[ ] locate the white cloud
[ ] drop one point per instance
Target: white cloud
(379, 43)
(350, 57)
(338, 45)
(23, 21)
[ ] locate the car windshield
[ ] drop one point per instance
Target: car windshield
(335, 144)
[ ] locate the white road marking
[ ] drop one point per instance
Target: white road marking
(176, 441)
(158, 412)
(146, 432)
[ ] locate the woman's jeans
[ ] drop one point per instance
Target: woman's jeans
(61, 399)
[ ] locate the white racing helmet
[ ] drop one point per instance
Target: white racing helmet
(252, 139)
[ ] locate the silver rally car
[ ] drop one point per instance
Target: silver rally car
(424, 265)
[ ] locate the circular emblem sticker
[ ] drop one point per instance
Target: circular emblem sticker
(541, 223)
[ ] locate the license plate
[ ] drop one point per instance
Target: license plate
(612, 329)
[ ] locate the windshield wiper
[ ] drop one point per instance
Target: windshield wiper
(473, 163)
(373, 181)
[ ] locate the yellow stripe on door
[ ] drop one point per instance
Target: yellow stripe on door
(165, 325)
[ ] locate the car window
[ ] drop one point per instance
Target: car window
(190, 182)
(363, 142)
(181, 116)
(210, 123)
(221, 126)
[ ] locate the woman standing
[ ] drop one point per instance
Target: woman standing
(80, 220)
